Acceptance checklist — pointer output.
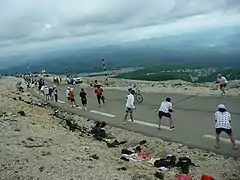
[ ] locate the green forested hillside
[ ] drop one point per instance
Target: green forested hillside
(156, 74)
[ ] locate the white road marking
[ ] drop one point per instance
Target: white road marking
(221, 139)
(104, 114)
(61, 101)
(150, 124)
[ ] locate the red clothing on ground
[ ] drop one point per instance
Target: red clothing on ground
(183, 177)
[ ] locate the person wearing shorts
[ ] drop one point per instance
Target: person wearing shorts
(223, 124)
(83, 96)
(223, 83)
(165, 111)
(72, 97)
(129, 106)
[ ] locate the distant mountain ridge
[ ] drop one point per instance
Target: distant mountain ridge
(219, 46)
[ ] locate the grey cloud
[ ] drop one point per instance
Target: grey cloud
(24, 21)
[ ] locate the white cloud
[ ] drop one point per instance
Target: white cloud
(32, 23)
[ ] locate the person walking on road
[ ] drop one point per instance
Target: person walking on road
(72, 97)
(83, 96)
(223, 83)
(223, 124)
(129, 106)
(165, 111)
(100, 97)
(51, 93)
(67, 95)
(46, 92)
(55, 93)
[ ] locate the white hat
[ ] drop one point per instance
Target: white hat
(68, 87)
(221, 106)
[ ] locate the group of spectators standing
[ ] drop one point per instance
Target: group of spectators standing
(70, 95)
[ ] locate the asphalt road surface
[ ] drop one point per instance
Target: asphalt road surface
(193, 116)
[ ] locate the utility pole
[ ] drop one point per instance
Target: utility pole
(105, 69)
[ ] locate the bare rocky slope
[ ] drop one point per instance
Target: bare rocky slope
(36, 143)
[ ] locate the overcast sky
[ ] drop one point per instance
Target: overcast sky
(32, 23)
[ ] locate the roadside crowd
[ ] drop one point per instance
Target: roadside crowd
(222, 116)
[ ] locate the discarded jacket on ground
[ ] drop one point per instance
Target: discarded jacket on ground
(168, 161)
(183, 177)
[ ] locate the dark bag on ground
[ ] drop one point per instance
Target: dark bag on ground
(184, 163)
(126, 151)
(115, 143)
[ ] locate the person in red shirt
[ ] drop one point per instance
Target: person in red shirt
(99, 93)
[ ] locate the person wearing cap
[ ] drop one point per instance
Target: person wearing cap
(223, 124)
(223, 83)
(165, 111)
(67, 95)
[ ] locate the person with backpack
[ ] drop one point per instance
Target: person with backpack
(223, 124)
(83, 96)
(100, 97)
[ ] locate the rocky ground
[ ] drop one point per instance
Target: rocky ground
(36, 143)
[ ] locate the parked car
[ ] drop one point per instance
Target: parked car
(72, 80)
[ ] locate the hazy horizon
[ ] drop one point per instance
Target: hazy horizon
(35, 31)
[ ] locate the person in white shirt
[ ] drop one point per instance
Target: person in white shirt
(223, 83)
(165, 111)
(42, 90)
(68, 95)
(46, 92)
(223, 124)
(129, 106)
(55, 93)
